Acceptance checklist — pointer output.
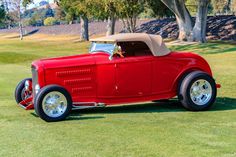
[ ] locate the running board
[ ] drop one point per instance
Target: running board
(85, 105)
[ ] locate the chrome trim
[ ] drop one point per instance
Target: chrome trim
(54, 104)
(82, 107)
(84, 103)
(34, 78)
(201, 92)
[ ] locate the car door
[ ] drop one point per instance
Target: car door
(133, 76)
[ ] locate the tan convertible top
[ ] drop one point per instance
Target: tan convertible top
(154, 42)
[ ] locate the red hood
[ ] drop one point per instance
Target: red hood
(68, 61)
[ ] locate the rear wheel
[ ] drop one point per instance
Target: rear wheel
(53, 103)
(21, 93)
(197, 91)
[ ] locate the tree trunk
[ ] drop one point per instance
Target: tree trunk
(185, 29)
(84, 36)
(20, 24)
(133, 23)
(130, 24)
(111, 25)
(199, 30)
(183, 18)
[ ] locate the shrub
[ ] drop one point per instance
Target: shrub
(50, 21)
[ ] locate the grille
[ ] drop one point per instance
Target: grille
(34, 78)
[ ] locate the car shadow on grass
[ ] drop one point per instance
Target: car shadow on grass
(173, 105)
(75, 116)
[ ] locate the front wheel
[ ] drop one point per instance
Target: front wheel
(197, 91)
(23, 90)
(53, 103)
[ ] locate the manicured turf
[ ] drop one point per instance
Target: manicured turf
(152, 129)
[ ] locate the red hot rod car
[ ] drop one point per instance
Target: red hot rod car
(123, 68)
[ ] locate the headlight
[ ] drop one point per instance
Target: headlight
(27, 85)
(37, 88)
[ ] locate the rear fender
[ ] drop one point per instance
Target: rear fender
(184, 73)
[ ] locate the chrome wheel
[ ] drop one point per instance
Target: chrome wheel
(201, 92)
(25, 94)
(54, 104)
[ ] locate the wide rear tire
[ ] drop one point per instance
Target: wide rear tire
(197, 91)
(53, 103)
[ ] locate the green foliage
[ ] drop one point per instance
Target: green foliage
(59, 14)
(2, 15)
(73, 9)
(219, 6)
(50, 21)
(130, 8)
(233, 6)
(147, 13)
(103, 9)
(192, 6)
(37, 16)
(26, 2)
(128, 11)
(76, 7)
(33, 21)
(159, 9)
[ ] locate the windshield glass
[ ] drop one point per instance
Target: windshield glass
(104, 47)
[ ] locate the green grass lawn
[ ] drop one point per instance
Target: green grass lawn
(152, 129)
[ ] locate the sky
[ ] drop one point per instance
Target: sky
(36, 2)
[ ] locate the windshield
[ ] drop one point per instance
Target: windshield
(104, 47)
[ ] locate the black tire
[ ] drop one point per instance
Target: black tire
(184, 93)
(19, 88)
(39, 100)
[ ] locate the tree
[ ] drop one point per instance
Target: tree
(59, 14)
(199, 30)
(2, 15)
(81, 9)
(16, 9)
(219, 6)
(111, 13)
(233, 6)
(187, 30)
(128, 11)
(105, 10)
(159, 9)
(50, 21)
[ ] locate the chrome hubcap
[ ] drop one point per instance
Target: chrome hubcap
(54, 104)
(201, 92)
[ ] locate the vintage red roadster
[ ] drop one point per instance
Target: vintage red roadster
(122, 68)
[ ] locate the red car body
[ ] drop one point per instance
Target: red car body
(93, 78)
